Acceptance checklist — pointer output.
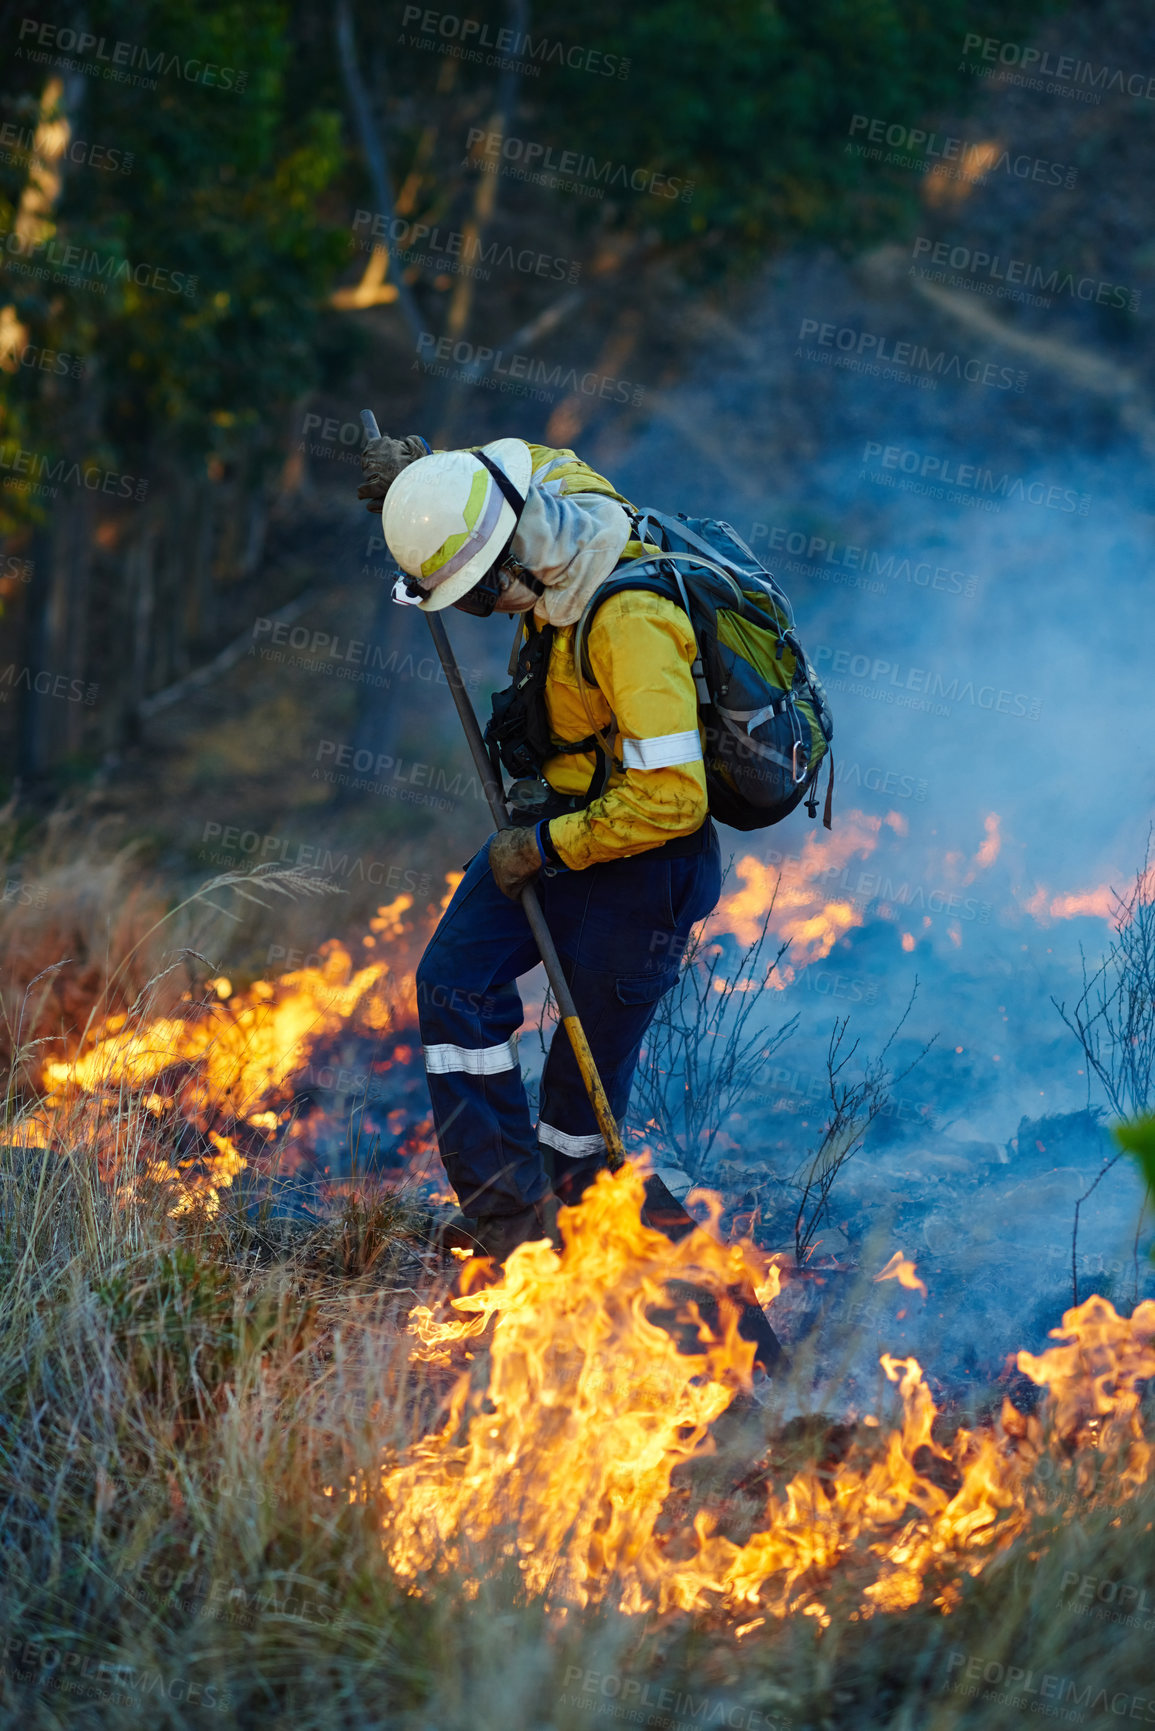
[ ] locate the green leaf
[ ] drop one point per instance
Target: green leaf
(1138, 1140)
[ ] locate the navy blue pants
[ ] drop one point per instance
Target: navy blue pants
(621, 929)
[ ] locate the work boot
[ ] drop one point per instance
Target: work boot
(452, 1231)
(495, 1235)
(498, 1235)
(572, 1178)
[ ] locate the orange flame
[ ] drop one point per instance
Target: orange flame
(801, 914)
(564, 1461)
(900, 1268)
(989, 850)
(226, 1069)
(1102, 902)
(1093, 1379)
(1099, 903)
(605, 1372)
(579, 1372)
(245, 1049)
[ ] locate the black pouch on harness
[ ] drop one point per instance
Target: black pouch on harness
(517, 734)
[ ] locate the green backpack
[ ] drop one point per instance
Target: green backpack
(766, 717)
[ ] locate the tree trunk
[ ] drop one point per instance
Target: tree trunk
(484, 204)
(380, 718)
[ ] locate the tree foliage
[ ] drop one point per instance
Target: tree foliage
(192, 287)
(191, 284)
(747, 100)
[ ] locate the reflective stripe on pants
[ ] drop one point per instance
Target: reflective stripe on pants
(621, 929)
(488, 1061)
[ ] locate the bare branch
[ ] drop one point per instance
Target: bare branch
(1114, 1018)
(853, 1108)
(374, 154)
(1114, 1161)
(703, 1057)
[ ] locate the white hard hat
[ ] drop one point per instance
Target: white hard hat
(446, 519)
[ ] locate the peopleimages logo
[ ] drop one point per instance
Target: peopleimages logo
(1047, 1693)
(528, 159)
(68, 264)
(24, 895)
(42, 470)
(111, 63)
(457, 251)
(944, 472)
(886, 782)
(18, 145)
(41, 360)
(494, 368)
(994, 268)
(926, 688)
(912, 147)
(905, 358)
(319, 856)
(625, 1697)
(815, 553)
(1064, 68)
(415, 783)
(1109, 1601)
(56, 1670)
(465, 38)
(44, 683)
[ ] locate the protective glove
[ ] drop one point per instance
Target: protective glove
(514, 859)
(382, 461)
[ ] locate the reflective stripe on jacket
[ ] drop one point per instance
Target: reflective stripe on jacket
(563, 473)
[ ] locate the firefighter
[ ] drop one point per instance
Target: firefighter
(614, 827)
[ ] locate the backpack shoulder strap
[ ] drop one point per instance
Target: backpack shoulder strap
(680, 529)
(675, 529)
(640, 574)
(657, 583)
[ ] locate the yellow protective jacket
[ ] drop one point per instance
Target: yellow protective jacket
(640, 650)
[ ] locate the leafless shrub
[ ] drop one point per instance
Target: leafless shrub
(705, 1054)
(705, 1049)
(854, 1105)
(1114, 1016)
(1113, 1020)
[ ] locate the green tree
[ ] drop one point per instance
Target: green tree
(176, 249)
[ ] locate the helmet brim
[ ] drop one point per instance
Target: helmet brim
(513, 457)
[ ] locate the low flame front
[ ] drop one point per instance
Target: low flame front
(214, 1085)
(563, 1458)
(589, 1407)
(588, 1378)
(191, 1098)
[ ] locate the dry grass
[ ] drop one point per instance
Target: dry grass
(175, 1395)
(73, 914)
(85, 934)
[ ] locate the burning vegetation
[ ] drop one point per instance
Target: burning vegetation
(565, 1459)
(309, 1450)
